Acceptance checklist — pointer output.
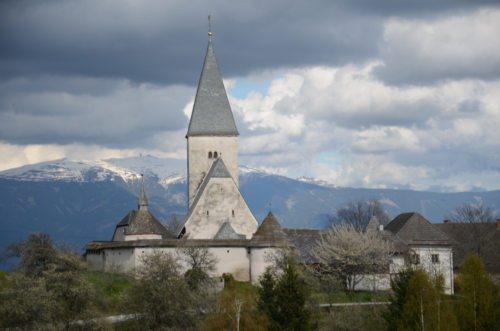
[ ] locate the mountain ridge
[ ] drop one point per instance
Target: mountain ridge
(79, 201)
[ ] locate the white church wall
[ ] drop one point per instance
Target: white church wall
(119, 260)
(199, 163)
(221, 202)
(260, 259)
(130, 237)
(95, 260)
(233, 260)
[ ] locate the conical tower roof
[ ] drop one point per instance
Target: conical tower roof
(269, 231)
(211, 115)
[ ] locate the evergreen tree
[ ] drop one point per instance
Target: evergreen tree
(418, 302)
(291, 295)
(476, 296)
(399, 286)
(282, 296)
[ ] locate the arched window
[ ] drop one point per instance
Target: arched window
(233, 212)
(215, 155)
(209, 155)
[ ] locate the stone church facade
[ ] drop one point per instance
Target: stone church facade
(219, 219)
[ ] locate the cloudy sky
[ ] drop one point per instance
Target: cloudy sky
(363, 93)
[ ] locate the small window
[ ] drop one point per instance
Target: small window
(232, 211)
(209, 155)
(207, 212)
(435, 258)
(215, 155)
(228, 250)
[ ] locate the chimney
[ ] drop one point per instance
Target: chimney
(381, 226)
(498, 224)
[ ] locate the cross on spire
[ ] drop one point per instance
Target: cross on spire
(209, 28)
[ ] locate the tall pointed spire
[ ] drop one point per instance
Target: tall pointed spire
(143, 199)
(212, 115)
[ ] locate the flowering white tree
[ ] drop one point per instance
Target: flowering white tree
(351, 254)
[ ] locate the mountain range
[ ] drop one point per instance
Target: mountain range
(79, 201)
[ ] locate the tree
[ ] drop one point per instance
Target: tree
(476, 216)
(162, 296)
(475, 296)
(35, 253)
(49, 289)
(350, 254)
(236, 309)
(360, 213)
(201, 263)
(418, 303)
(283, 294)
(399, 287)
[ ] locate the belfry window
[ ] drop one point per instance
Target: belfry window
(209, 155)
(215, 155)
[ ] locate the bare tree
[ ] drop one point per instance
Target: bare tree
(360, 213)
(201, 264)
(350, 254)
(477, 216)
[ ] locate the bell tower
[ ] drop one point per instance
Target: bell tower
(212, 132)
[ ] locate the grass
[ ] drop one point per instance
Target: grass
(113, 288)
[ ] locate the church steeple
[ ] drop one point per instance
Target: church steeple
(211, 115)
(143, 199)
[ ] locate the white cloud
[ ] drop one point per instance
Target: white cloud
(383, 136)
(458, 46)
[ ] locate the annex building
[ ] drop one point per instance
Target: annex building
(218, 217)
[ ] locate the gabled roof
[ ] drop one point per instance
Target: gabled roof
(211, 115)
(226, 231)
(143, 222)
(304, 241)
(217, 170)
(414, 229)
(465, 238)
(270, 230)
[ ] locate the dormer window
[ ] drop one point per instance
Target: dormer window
(209, 155)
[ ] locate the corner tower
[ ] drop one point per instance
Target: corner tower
(212, 132)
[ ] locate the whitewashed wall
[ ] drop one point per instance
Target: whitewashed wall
(220, 198)
(199, 163)
(444, 267)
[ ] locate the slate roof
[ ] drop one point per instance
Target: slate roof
(211, 115)
(143, 222)
(269, 231)
(464, 238)
(414, 229)
(304, 241)
(226, 231)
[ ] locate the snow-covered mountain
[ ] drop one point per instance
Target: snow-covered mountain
(79, 201)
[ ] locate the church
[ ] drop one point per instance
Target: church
(219, 219)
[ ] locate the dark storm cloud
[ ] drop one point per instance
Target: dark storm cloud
(163, 41)
(89, 111)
